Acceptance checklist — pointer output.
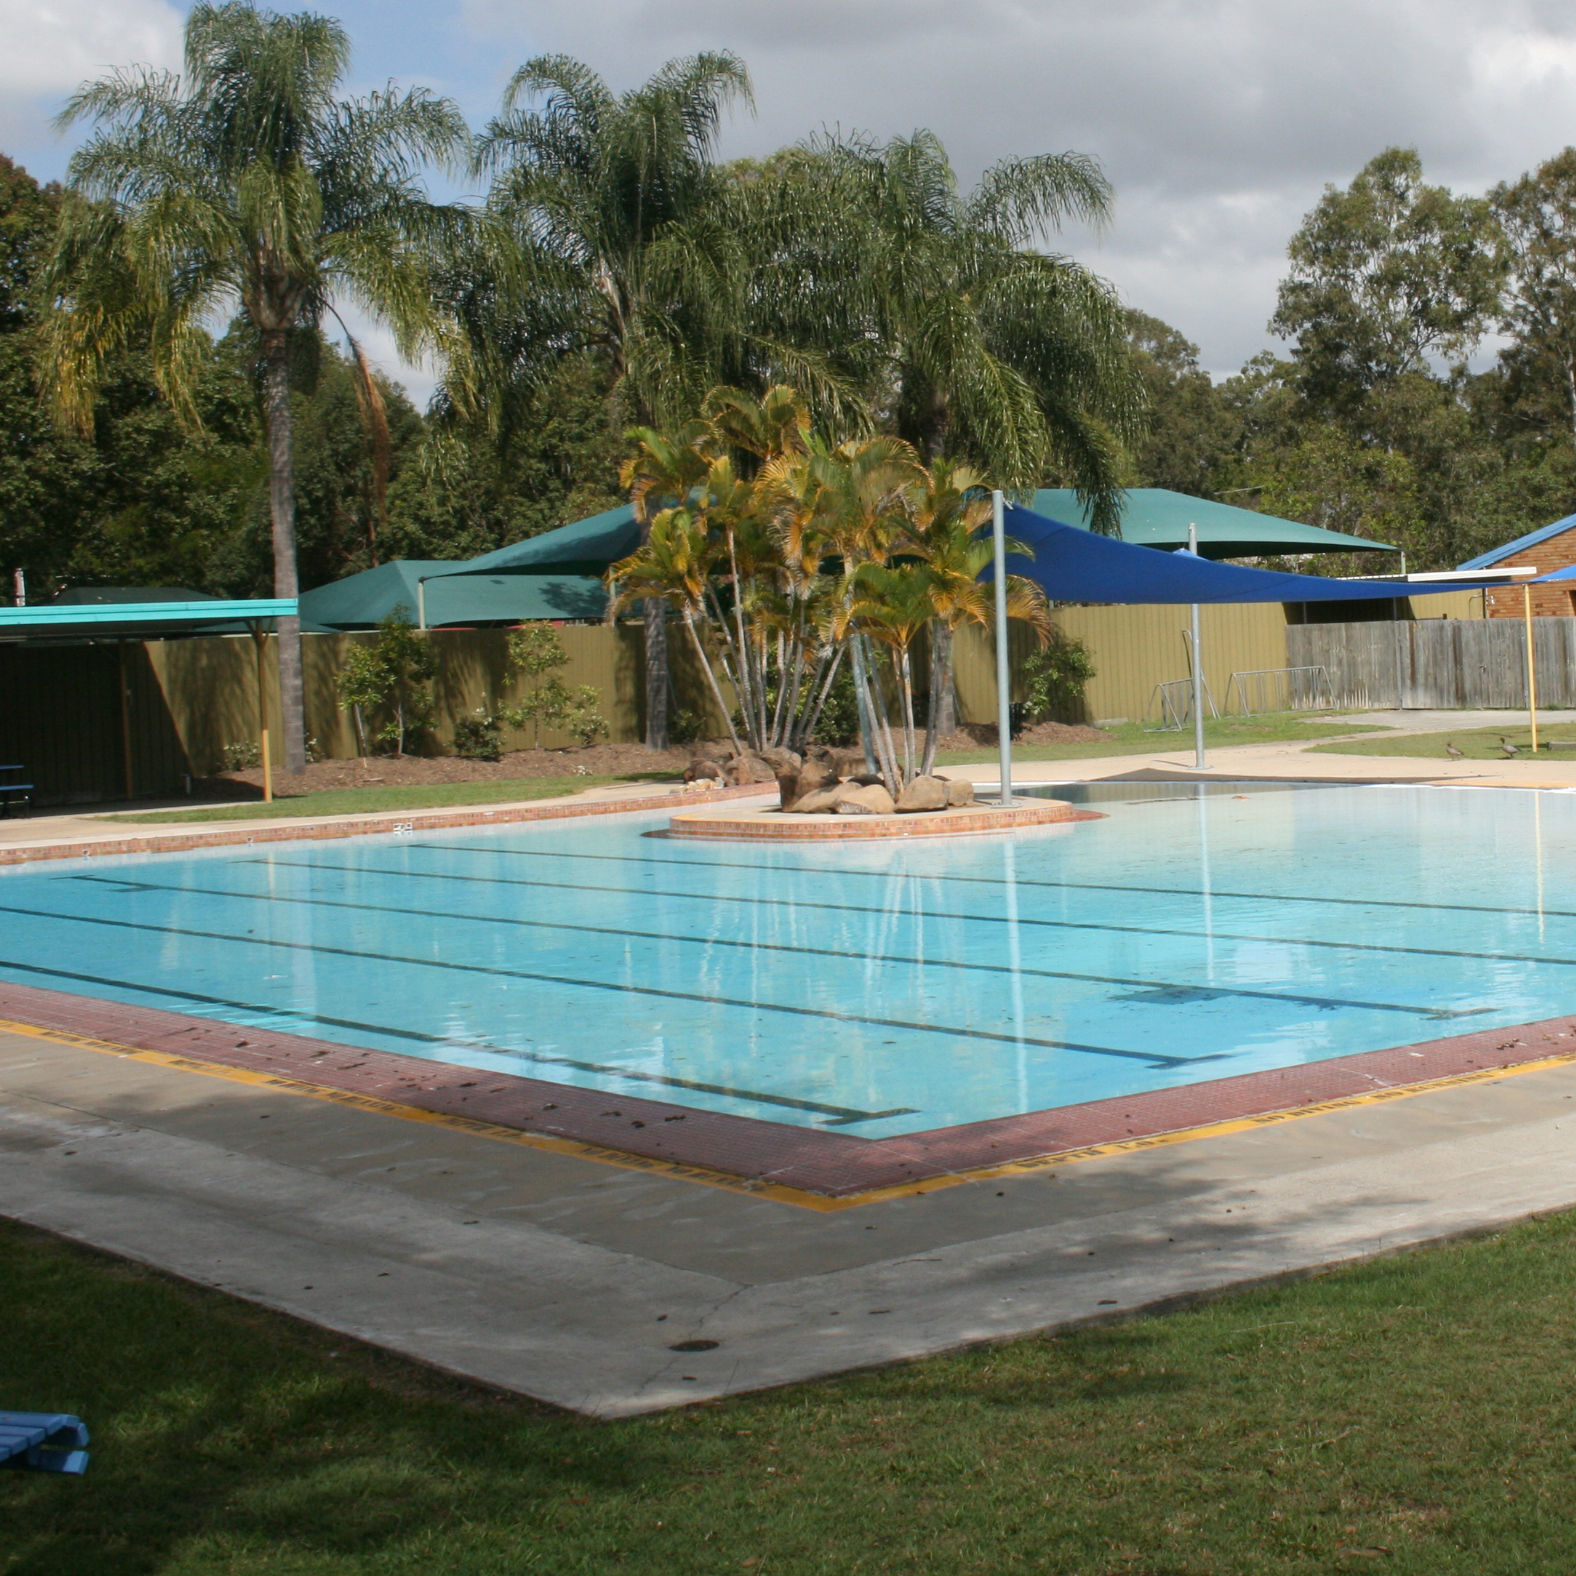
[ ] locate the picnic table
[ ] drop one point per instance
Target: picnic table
(43, 1442)
(10, 789)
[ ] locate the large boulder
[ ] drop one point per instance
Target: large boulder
(924, 793)
(744, 769)
(960, 791)
(781, 760)
(864, 799)
(819, 801)
(815, 774)
(700, 770)
(788, 794)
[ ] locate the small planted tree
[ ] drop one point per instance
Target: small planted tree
(536, 654)
(391, 677)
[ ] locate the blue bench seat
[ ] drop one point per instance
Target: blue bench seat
(43, 1442)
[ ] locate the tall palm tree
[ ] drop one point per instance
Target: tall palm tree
(246, 184)
(607, 236)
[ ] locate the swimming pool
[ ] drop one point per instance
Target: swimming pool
(879, 988)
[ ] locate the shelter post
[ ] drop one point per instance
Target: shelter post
(421, 604)
(259, 644)
(998, 510)
(1199, 762)
(1532, 664)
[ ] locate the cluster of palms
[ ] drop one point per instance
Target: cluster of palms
(784, 554)
(856, 271)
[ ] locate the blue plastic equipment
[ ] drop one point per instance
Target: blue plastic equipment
(43, 1442)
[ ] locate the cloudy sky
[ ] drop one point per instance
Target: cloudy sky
(1219, 120)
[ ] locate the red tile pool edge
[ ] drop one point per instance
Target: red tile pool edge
(834, 1165)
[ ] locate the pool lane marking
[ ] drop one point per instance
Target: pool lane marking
(982, 919)
(996, 881)
(777, 1192)
(1156, 1060)
(123, 882)
(842, 1115)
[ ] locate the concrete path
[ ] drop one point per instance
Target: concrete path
(573, 1281)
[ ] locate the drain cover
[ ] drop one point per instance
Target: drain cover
(695, 1346)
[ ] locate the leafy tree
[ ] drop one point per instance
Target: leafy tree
(536, 653)
(392, 675)
(1537, 220)
(247, 183)
(1385, 275)
(1190, 434)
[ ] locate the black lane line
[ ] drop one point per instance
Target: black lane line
(844, 1115)
(982, 919)
(1332, 1002)
(1154, 1059)
(995, 881)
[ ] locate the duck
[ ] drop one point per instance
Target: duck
(1454, 753)
(1510, 751)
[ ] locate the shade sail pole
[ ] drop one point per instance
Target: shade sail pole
(1532, 666)
(1199, 762)
(998, 524)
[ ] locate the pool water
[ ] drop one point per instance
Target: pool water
(875, 988)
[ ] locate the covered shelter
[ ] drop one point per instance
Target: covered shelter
(82, 616)
(1159, 517)
(440, 593)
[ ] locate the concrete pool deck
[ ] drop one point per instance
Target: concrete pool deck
(589, 1286)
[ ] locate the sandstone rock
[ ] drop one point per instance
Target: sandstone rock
(959, 791)
(813, 775)
(819, 801)
(866, 779)
(700, 770)
(788, 794)
(866, 799)
(924, 793)
(744, 769)
(781, 760)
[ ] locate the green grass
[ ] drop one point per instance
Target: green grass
(1414, 1415)
(1476, 744)
(1131, 739)
(365, 801)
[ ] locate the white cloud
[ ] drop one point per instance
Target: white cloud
(52, 47)
(1219, 120)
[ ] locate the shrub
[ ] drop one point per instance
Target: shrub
(535, 653)
(479, 737)
(1054, 678)
(242, 757)
(391, 675)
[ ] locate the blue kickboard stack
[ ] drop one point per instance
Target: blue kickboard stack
(43, 1442)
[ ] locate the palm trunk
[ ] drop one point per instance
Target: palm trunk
(711, 678)
(946, 702)
(906, 683)
(656, 616)
(933, 703)
(867, 721)
(281, 511)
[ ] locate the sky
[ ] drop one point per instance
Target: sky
(1219, 121)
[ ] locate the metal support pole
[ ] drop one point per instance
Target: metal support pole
(998, 512)
(259, 643)
(421, 604)
(1199, 762)
(1532, 664)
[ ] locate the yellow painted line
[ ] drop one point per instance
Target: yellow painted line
(777, 1191)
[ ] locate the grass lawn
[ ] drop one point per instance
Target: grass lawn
(1477, 744)
(365, 801)
(1411, 1415)
(1271, 728)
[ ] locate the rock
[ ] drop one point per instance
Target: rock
(781, 760)
(819, 801)
(924, 793)
(866, 780)
(700, 770)
(816, 774)
(744, 769)
(866, 799)
(788, 794)
(959, 791)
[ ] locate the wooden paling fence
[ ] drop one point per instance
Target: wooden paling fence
(1443, 663)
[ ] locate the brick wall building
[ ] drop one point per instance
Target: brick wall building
(1553, 547)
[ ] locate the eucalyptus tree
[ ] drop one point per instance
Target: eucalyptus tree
(606, 235)
(246, 184)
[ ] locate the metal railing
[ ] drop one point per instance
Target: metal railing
(1174, 701)
(1279, 689)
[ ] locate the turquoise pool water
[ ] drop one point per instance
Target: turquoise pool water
(879, 988)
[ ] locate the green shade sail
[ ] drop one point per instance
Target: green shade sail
(585, 548)
(362, 601)
(1158, 517)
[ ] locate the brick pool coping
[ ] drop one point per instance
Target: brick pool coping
(752, 1152)
(179, 840)
(769, 824)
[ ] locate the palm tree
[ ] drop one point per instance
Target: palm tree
(245, 183)
(611, 203)
(935, 303)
